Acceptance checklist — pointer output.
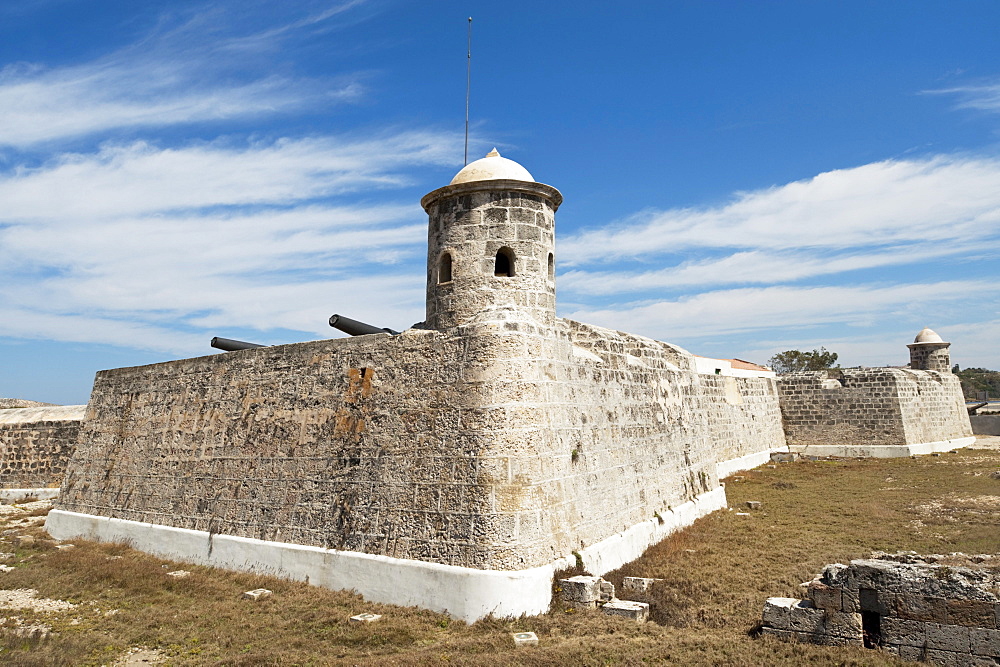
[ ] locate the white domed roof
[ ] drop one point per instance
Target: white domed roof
(926, 335)
(491, 168)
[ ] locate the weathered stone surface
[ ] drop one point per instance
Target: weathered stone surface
(581, 588)
(636, 611)
(985, 642)
(638, 584)
(948, 637)
(842, 624)
(825, 597)
(973, 613)
(905, 632)
(777, 613)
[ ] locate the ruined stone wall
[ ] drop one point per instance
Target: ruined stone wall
(36, 444)
(879, 406)
(499, 445)
(940, 609)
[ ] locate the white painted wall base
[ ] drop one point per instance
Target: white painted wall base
(16, 495)
(462, 592)
(732, 466)
(883, 451)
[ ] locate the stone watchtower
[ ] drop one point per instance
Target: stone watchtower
(491, 244)
(929, 353)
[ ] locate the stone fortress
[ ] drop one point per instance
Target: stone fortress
(459, 464)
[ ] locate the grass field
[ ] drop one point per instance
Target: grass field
(716, 575)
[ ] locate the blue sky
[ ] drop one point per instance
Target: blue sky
(740, 178)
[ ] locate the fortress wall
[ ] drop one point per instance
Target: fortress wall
(36, 444)
(622, 431)
(932, 406)
(498, 445)
(876, 407)
(744, 417)
(367, 444)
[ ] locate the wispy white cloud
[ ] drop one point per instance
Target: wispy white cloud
(186, 73)
(885, 203)
(257, 236)
(984, 96)
(754, 267)
(739, 311)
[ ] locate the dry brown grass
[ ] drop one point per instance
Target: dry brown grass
(716, 576)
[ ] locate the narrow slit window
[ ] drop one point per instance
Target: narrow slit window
(504, 265)
(552, 266)
(444, 268)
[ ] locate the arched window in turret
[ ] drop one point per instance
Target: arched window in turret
(552, 266)
(444, 268)
(504, 265)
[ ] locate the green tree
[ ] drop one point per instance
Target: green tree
(793, 361)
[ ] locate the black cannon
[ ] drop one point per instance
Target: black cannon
(230, 345)
(355, 328)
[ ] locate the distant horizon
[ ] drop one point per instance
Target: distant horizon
(739, 179)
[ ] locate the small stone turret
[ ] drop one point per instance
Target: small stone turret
(491, 244)
(929, 353)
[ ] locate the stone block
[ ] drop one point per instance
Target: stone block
(257, 594)
(849, 600)
(607, 591)
(777, 612)
(985, 642)
(947, 658)
(841, 624)
(638, 584)
(880, 602)
(581, 589)
(921, 608)
(825, 597)
(179, 574)
(973, 613)
(948, 637)
(365, 618)
(525, 639)
(804, 617)
(636, 611)
(902, 631)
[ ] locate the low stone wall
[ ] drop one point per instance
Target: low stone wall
(873, 412)
(940, 609)
(35, 446)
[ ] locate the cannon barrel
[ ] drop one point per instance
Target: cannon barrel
(230, 345)
(355, 328)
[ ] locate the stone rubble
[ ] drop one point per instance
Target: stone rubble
(943, 609)
(589, 592)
